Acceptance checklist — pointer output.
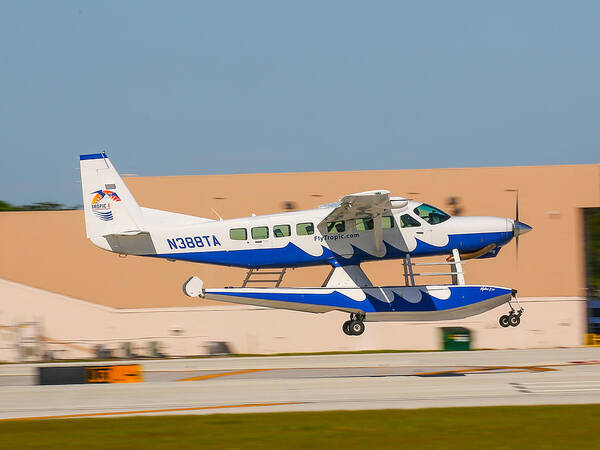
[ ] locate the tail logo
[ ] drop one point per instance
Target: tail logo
(101, 204)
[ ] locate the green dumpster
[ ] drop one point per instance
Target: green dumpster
(456, 338)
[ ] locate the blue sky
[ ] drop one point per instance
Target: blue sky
(188, 88)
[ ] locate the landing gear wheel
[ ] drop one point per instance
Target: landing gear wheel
(514, 320)
(346, 327)
(505, 321)
(356, 327)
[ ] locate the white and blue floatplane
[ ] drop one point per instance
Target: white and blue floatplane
(366, 226)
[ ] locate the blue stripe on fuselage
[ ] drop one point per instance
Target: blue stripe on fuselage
(293, 256)
(462, 242)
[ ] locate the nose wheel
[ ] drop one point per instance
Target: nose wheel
(354, 326)
(513, 318)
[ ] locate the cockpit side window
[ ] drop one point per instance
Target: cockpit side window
(431, 214)
(407, 221)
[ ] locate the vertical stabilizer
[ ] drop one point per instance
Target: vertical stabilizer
(108, 205)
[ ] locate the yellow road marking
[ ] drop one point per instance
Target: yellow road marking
(148, 411)
(223, 374)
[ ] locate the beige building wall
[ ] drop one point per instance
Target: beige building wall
(88, 296)
(71, 328)
(49, 250)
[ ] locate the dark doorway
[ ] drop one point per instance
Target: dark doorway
(591, 223)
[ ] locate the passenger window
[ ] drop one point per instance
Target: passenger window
(281, 231)
(260, 232)
(431, 214)
(238, 234)
(387, 222)
(364, 223)
(407, 221)
(304, 229)
(339, 226)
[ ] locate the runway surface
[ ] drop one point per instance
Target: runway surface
(311, 383)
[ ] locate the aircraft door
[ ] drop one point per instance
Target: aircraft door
(260, 241)
(430, 217)
(424, 233)
(412, 229)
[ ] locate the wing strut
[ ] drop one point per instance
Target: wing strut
(408, 271)
(378, 234)
(458, 277)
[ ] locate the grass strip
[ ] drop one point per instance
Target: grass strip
(505, 427)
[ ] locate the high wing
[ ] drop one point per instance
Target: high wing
(363, 204)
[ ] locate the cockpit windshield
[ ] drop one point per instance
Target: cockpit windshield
(431, 214)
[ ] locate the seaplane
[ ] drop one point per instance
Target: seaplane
(360, 227)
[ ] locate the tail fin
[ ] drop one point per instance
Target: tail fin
(108, 205)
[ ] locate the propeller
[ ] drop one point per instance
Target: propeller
(516, 221)
(519, 227)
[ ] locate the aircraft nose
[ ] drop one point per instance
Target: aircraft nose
(520, 228)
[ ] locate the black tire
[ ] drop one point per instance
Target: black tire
(346, 327)
(357, 327)
(514, 321)
(505, 321)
